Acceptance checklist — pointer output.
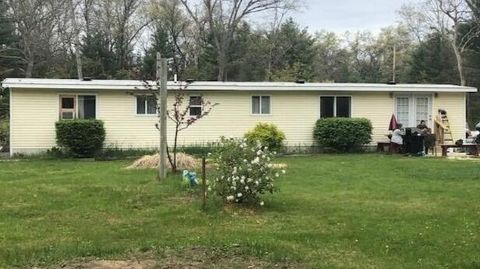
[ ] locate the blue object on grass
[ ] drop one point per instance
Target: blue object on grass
(190, 177)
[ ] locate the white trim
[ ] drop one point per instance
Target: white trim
(261, 114)
(10, 122)
(334, 104)
(136, 85)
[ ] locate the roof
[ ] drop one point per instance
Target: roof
(74, 84)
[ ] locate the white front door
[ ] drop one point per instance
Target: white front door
(412, 109)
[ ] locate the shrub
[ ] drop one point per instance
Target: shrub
(80, 138)
(4, 135)
(343, 134)
(268, 134)
(245, 171)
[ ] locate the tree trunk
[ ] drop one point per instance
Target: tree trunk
(458, 56)
(174, 166)
(29, 71)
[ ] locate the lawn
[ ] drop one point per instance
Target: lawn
(350, 211)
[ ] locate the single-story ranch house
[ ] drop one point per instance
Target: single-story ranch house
(129, 114)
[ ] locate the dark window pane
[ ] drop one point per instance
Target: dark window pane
(195, 111)
(326, 107)
(151, 105)
(343, 107)
(68, 102)
(255, 104)
(195, 100)
(265, 104)
(86, 107)
(140, 104)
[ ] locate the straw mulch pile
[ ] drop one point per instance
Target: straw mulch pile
(184, 162)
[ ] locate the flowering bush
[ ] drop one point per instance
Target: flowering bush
(244, 171)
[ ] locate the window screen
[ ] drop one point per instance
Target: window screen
(327, 104)
(343, 107)
(86, 107)
(151, 105)
(256, 105)
(261, 105)
(141, 105)
(195, 105)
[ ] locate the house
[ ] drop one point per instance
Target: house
(129, 113)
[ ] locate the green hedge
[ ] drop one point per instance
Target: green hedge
(268, 134)
(80, 138)
(4, 135)
(343, 134)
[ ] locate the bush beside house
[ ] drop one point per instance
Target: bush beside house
(4, 135)
(343, 134)
(268, 134)
(80, 138)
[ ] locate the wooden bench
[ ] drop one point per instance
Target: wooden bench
(381, 146)
(474, 147)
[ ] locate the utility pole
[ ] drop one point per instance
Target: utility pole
(162, 98)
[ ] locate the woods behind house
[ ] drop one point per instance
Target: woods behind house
(435, 41)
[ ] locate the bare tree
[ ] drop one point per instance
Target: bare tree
(221, 18)
(450, 16)
(36, 22)
(169, 15)
(180, 113)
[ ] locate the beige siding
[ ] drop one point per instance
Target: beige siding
(454, 104)
(34, 113)
(33, 120)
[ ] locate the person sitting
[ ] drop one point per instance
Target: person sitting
(397, 139)
(423, 128)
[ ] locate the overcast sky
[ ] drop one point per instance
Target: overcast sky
(352, 15)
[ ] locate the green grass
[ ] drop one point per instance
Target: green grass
(333, 211)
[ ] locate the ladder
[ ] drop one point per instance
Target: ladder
(445, 131)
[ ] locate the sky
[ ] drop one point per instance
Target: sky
(348, 15)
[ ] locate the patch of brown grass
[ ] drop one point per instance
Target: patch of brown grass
(190, 258)
(184, 162)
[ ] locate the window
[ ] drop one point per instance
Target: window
(261, 105)
(67, 107)
(195, 106)
(335, 106)
(85, 108)
(146, 105)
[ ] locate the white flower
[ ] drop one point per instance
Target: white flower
(242, 181)
(246, 188)
(259, 152)
(274, 153)
(257, 183)
(270, 165)
(245, 160)
(209, 154)
(249, 180)
(230, 198)
(277, 175)
(262, 203)
(209, 188)
(239, 194)
(283, 171)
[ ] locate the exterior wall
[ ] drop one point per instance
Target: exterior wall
(34, 113)
(455, 105)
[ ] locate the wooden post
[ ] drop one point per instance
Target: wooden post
(162, 78)
(204, 183)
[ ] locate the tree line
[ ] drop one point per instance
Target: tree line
(434, 41)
